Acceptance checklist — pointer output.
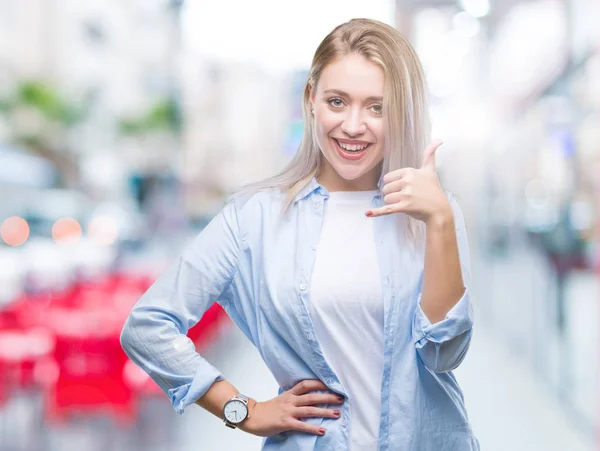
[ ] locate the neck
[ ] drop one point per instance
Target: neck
(332, 181)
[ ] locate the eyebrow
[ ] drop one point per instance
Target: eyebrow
(343, 94)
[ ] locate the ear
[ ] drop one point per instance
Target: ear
(311, 95)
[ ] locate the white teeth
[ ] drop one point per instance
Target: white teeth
(352, 147)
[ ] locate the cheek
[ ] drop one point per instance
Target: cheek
(377, 130)
(320, 128)
(320, 134)
(325, 123)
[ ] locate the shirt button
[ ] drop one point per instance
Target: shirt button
(330, 380)
(316, 205)
(309, 336)
(303, 286)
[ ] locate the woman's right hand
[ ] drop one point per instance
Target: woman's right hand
(284, 412)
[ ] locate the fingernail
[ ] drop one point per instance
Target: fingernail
(336, 412)
(322, 431)
(369, 213)
(340, 398)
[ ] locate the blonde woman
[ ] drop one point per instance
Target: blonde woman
(348, 271)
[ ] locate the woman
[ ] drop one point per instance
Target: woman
(348, 271)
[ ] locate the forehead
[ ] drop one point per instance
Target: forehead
(353, 74)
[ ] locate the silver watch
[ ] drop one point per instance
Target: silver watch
(235, 410)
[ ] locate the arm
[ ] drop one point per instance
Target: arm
(154, 335)
(443, 321)
(443, 282)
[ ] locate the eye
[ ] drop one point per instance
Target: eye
(336, 102)
(377, 109)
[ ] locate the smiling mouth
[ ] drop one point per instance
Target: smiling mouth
(353, 148)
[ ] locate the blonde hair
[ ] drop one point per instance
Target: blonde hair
(405, 107)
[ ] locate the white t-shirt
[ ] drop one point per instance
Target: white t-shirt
(346, 307)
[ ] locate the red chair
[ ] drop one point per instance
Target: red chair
(20, 352)
(84, 370)
(90, 364)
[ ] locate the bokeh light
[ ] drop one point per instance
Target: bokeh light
(102, 230)
(476, 8)
(66, 230)
(14, 231)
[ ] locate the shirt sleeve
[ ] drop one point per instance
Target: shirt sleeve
(442, 346)
(154, 334)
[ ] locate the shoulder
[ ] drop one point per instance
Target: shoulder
(248, 202)
(252, 208)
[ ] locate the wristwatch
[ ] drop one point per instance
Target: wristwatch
(235, 410)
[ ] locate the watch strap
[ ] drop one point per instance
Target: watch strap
(242, 398)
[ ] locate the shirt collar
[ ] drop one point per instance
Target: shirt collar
(313, 186)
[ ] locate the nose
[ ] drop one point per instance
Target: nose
(353, 124)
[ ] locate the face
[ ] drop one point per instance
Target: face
(348, 121)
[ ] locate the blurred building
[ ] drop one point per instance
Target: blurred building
(234, 132)
(514, 88)
(116, 60)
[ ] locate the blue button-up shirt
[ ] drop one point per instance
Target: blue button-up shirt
(257, 265)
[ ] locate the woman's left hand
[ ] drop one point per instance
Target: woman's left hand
(416, 192)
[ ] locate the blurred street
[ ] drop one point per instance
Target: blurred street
(511, 404)
(124, 125)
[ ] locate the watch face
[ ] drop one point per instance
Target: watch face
(235, 411)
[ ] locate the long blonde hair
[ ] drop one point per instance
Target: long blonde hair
(405, 107)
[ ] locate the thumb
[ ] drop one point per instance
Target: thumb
(429, 154)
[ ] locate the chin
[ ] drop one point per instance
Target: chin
(350, 174)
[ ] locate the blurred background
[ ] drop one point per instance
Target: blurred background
(124, 124)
